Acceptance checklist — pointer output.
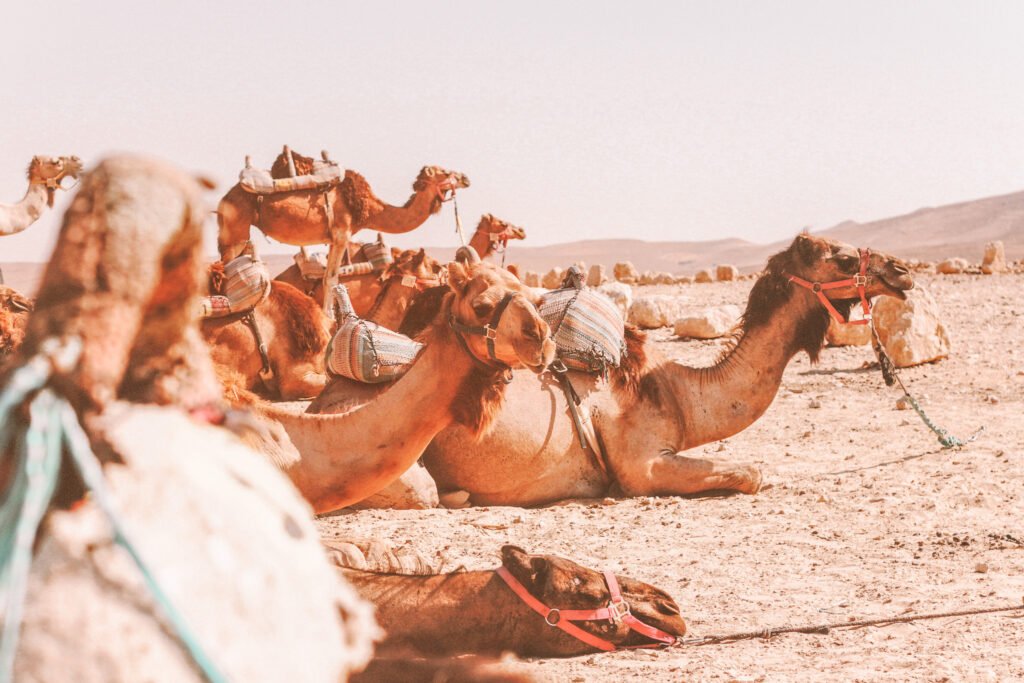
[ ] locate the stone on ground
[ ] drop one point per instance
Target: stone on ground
(710, 323)
(911, 331)
(952, 266)
(727, 273)
(596, 276)
(531, 279)
(626, 272)
(655, 310)
(995, 258)
(841, 334)
(553, 278)
(703, 276)
(621, 295)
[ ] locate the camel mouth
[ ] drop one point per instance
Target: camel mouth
(898, 283)
(517, 233)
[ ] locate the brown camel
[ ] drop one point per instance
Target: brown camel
(44, 178)
(14, 310)
(340, 459)
(477, 612)
(493, 234)
(295, 332)
(123, 281)
(303, 218)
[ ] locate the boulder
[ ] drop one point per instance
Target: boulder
(840, 334)
(553, 278)
(703, 276)
(710, 323)
(952, 266)
(648, 278)
(626, 272)
(683, 280)
(596, 276)
(655, 310)
(995, 258)
(621, 295)
(531, 279)
(911, 331)
(727, 273)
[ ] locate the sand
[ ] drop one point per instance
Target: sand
(864, 516)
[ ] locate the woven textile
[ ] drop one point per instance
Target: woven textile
(377, 254)
(586, 327)
(312, 266)
(259, 181)
(246, 283)
(366, 352)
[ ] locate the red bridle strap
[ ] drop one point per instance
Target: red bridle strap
(617, 611)
(859, 281)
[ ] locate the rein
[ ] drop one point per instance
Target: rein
(860, 281)
(616, 612)
(488, 332)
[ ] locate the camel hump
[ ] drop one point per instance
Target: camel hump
(282, 169)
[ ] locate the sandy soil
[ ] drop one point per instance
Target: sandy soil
(865, 516)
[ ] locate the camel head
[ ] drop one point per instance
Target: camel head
(50, 171)
(563, 584)
(441, 181)
(521, 337)
(498, 230)
(417, 263)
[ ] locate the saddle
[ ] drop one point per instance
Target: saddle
(587, 329)
(237, 288)
(322, 175)
(372, 257)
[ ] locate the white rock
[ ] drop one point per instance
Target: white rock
(626, 272)
(710, 323)
(655, 310)
(683, 280)
(727, 273)
(703, 276)
(664, 279)
(553, 278)
(952, 266)
(995, 258)
(911, 331)
(648, 278)
(840, 334)
(621, 295)
(596, 276)
(531, 279)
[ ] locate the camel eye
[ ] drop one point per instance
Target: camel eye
(483, 309)
(846, 262)
(531, 333)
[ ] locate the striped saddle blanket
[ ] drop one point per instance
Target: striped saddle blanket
(245, 284)
(372, 257)
(365, 351)
(586, 327)
(259, 181)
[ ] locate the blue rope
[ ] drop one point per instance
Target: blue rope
(53, 427)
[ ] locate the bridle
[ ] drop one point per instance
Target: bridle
(860, 281)
(411, 281)
(446, 190)
(616, 612)
(54, 183)
(488, 332)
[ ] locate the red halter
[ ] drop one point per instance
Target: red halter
(616, 611)
(859, 281)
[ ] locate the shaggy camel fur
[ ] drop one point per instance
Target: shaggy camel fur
(301, 217)
(476, 612)
(14, 310)
(125, 279)
(492, 232)
(295, 331)
(44, 177)
(341, 459)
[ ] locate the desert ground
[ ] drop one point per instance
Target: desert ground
(864, 515)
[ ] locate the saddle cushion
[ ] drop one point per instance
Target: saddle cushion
(312, 266)
(246, 284)
(366, 352)
(259, 181)
(586, 327)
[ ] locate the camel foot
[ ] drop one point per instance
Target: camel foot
(455, 500)
(751, 480)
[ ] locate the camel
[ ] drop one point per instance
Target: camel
(491, 232)
(336, 460)
(14, 311)
(123, 283)
(44, 177)
(477, 611)
(332, 216)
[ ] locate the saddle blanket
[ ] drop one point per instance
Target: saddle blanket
(259, 181)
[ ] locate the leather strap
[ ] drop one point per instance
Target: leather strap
(266, 372)
(859, 281)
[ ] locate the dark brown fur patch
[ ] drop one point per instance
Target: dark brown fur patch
(423, 310)
(303, 165)
(628, 378)
(301, 315)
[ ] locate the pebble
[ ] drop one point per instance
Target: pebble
(815, 403)
(902, 403)
(981, 568)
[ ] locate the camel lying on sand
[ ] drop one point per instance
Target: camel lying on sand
(492, 232)
(478, 612)
(123, 281)
(336, 460)
(308, 217)
(14, 310)
(44, 177)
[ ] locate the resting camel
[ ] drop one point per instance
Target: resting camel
(14, 310)
(491, 232)
(44, 177)
(123, 280)
(477, 612)
(302, 218)
(340, 459)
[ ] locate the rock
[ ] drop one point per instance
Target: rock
(952, 266)
(727, 273)
(710, 323)
(684, 280)
(911, 331)
(414, 490)
(531, 279)
(903, 403)
(664, 279)
(840, 334)
(656, 310)
(626, 272)
(553, 278)
(815, 403)
(621, 295)
(995, 258)
(981, 568)
(648, 278)
(596, 276)
(703, 276)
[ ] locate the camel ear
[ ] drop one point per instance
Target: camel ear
(419, 257)
(458, 276)
(514, 269)
(807, 248)
(524, 566)
(205, 182)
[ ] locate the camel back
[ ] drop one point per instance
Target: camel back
(364, 351)
(585, 325)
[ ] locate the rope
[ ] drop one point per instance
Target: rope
(458, 221)
(37, 449)
(889, 371)
(826, 628)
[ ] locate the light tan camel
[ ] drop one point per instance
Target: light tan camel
(124, 279)
(493, 234)
(477, 612)
(302, 217)
(14, 310)
(294, 330)
(340, 459)
(44, 177)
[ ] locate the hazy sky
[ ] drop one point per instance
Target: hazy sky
(688, 120)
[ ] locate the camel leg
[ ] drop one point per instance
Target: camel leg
(341, 230)
(297, 384)
(674, 474)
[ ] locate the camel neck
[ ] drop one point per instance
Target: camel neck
(718, 401)
(398, 219)
(481, 242)
(392, 303)
(16, 217)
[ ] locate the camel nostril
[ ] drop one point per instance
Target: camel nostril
(901, 269)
